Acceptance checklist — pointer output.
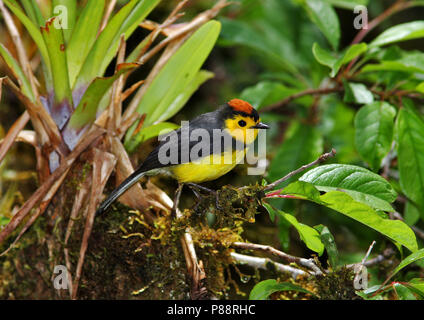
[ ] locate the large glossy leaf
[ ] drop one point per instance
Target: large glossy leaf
(401, 32)
(302, 145)
(357, 93)
(264, 289)
(374, 125)
(410, 150)
(107, 43)
(83, 36)
(326, 58)
(361, 184)
(325, 17)
(342, 202)
(307, 234)
(396, 230)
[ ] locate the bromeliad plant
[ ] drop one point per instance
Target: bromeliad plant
(76, 111)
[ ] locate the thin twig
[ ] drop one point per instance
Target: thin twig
(368, 252)
(314, 92)
(418, 231)
(388, 253)
(103, 164)
(12, 134)
(107, 15)
(265, 263)
(307, 263)
(23, 59)
(321, 158)
(399, 5)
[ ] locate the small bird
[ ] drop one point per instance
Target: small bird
(233, 119)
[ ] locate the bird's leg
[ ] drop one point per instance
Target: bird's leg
(194, 185)
(177, 198)
(198, 196)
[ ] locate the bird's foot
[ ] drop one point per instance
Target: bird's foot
(177, 199)
(196, 187)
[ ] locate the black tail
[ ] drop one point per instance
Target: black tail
(124, 186)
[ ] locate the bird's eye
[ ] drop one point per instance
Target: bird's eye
(242, 123)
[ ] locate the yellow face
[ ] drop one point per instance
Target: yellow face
(239, 128)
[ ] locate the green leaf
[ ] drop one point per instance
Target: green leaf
(181, 99)
(409, 135)
(325, 17)
(88, 108)
(266, 93)
(374, 124)
(417, 286)
(32, 29)
(70, 13)
(303, 144)
(33, 12)
(17, 72)
(53, 38)
(137, 15)
(302, 189)
(271, 211)
(411, 214)
(410, 62)
(169, 88)
(348, 4)
(326, 58)
(413, 257)
(396, 230)
(307, 234)
(235, 32)
(401, 32)
(329, 244)
(403, 292)
(420, 87)
(104, 48)
(83, 36)
(150, 132)
(361, 184)
(264, 289)
(357, 93)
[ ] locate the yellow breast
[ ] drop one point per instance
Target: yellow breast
(207, 168)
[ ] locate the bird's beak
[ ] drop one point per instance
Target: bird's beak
(260, 125)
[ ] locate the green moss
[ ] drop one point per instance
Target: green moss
(127, 257)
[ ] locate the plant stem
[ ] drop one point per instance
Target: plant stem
(321, 158)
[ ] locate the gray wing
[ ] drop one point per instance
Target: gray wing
(183, 140)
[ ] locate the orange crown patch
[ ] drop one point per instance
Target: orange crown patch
(240, 105)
